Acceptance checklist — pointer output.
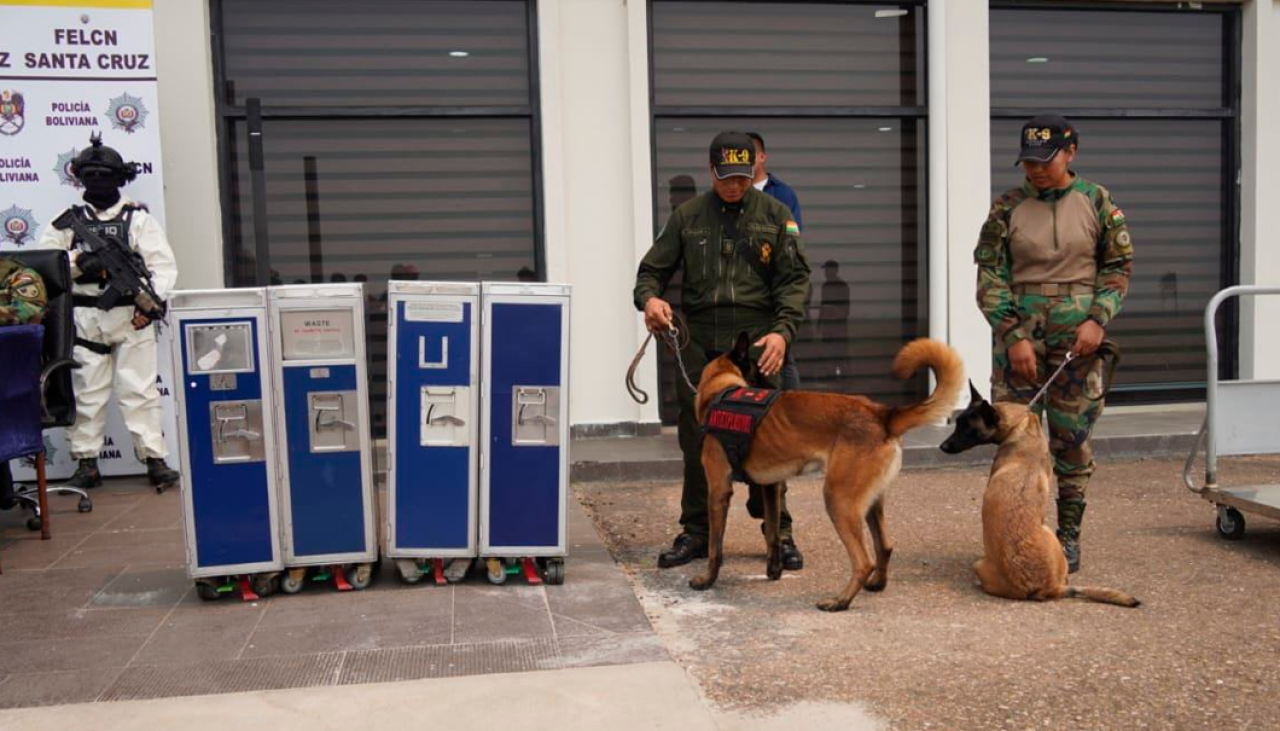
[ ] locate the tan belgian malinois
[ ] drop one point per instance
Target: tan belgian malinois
(1022, 558)
(857, 441)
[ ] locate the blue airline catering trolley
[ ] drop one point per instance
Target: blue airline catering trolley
(327, 504)
(225, 424)
(524, 472)
(433, 416)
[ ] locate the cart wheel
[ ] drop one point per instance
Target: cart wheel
(497, 573)
(409, 571)
(207, 591)
(555, 572)
(360, 576)
(33, 523)
(265, 584)
(293, 581)
(1230, 523)
(85, 506)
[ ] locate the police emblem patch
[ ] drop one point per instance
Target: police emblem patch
(127, 113)
(765, 252)
(19, 225)
(63, 168)
(13, 112)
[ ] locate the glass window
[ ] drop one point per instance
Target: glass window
(859, 175)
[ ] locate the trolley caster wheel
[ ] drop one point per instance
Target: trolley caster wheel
(34, 523)
(1230, 523)
(208, 592)
(554, 573)
(293, 581)
(410, 572)
(265, 584)
(497, 572)
(85, 506)
(360, 576)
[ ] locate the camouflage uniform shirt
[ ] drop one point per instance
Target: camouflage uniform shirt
(22, 295)
(1072, 235)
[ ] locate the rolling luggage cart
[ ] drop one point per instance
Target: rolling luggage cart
(319, 373)
(1241, 417)
(226, 431)
(524, 472)
(433, 410)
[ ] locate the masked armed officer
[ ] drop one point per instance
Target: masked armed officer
(744, 270)
(113, 337)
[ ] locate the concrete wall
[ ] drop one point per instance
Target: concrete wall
(189, 142)
(595, 148)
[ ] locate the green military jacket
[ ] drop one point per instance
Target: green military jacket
(764, 270)
(1074, 235)
(22, 295)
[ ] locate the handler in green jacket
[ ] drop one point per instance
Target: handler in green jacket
(1054, 260)
(744, 269)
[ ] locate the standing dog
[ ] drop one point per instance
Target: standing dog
(1022, 557)
(856, 440)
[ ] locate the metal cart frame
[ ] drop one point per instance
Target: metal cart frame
(1241, 417)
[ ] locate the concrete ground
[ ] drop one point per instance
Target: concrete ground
(933, 651)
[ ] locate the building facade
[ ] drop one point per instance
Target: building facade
(549, 140)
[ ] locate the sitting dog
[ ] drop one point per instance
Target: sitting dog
(1022, 557)
(857, 441)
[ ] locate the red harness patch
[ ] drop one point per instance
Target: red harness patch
(732, 419)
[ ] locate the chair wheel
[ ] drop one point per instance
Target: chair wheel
(85, 506)
(34, 523)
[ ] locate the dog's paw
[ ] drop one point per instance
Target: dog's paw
(877, 582)
(701, 583)
(773, 569)
(832, 605)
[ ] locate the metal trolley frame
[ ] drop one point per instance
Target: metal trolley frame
(1241, 417)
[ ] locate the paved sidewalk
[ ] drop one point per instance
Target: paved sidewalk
(1131, 431)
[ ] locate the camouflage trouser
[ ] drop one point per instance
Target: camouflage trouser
(693, 497)
(1075, 399)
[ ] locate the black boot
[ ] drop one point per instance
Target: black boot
(685, 549)
(792, 559)
(160, 473)
(87, 474)
(1070, 515)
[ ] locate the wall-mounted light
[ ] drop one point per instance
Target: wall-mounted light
(459, 54)
(891, 13)
(1038, 59)
(886, 129)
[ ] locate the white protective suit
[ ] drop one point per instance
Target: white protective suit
(132, 361)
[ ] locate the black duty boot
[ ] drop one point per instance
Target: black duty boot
(685, 549)
(160, 473)
(87, 474)
(792, 559)
(1070, 515)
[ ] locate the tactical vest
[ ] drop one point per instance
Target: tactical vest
(732, 418)
(114, 228)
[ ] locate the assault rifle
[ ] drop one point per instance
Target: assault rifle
(128, 279)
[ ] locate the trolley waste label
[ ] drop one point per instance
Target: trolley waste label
(433, 311)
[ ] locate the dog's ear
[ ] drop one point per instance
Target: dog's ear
(974, 395)
(741, 354)
(990, 417)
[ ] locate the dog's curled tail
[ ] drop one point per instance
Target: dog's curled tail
(1101, 594)
(947, 368)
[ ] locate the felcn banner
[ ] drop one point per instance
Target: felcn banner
(69, 69)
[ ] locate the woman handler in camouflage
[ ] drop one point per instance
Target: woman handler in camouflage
(1054, 260)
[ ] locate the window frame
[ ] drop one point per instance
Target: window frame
(227, 114)
(1230, 115)
(918, 113)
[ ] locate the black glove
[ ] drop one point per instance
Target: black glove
(91, 266)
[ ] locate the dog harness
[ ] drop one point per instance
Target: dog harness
(732, 419)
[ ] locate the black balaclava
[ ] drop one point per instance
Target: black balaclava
(101, 187)
(103, 172)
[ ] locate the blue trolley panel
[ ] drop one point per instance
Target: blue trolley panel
(524, 481)
(230, 502)
(432, 483)
(326, 493)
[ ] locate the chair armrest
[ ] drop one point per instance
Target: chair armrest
(45, 375)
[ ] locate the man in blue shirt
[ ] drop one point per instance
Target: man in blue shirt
(769, 183)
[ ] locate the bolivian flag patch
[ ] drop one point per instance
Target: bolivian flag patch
(793, 228)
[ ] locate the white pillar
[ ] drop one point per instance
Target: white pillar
(591, 212)
(960, 174)
(1260, 188)
(189, 141)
